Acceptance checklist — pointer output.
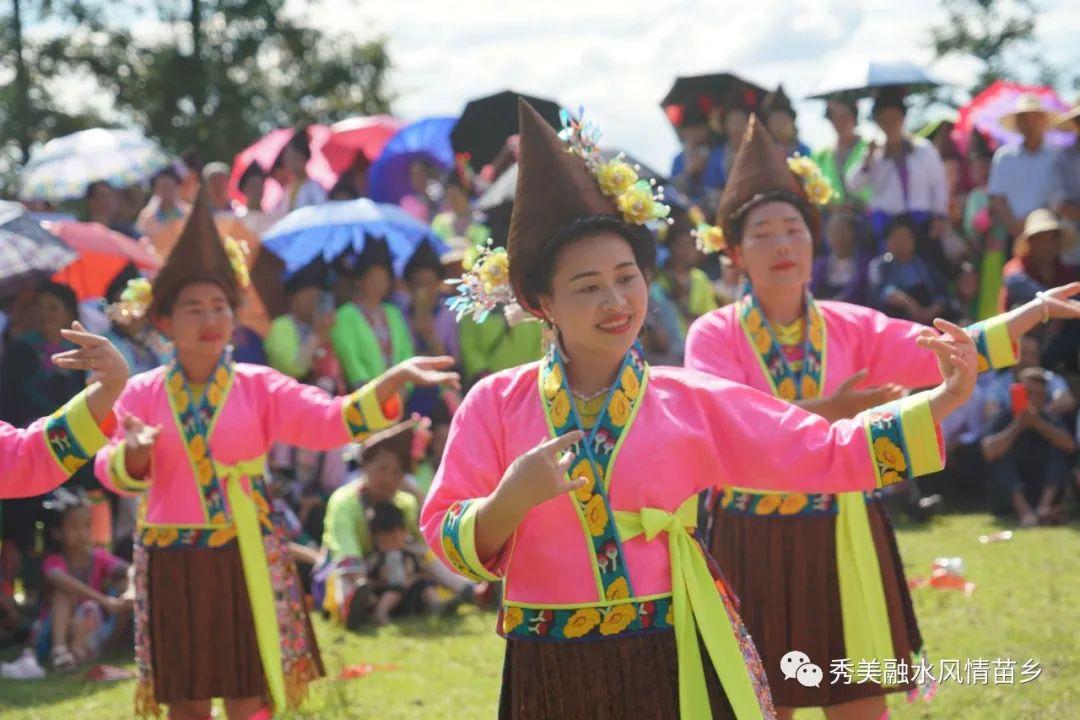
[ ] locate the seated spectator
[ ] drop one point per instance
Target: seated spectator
(902, 284)
(252, 185)
(962, 303)
(1065, 195)
(459, 219)
(434, 329)
(298, 338)
(395, 571)
(986, 234)
(165, 206)
(1036, 264)
(663, 338)
(82, 607)
(370, 334)
(848, 151)
(341, 579)
(680, 279)
(1061, 403)
(496, 344)
(698, 170)
(780, 117)
(841, 269)
(1026, 455)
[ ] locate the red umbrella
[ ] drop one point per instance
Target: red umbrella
(985, 110)
(333, 150)
(103, 253)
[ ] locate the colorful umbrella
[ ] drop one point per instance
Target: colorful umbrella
(861, 76)
(427, 139)
(986, 109)
(708, 92)
(328, 230)
(488, 122)
(103, 254)
(27, 250)
(63, 168)
(333, 150)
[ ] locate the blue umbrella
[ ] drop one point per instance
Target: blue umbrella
(323, 232)
(428, 139)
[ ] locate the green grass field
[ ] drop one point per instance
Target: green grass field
(1024, 607)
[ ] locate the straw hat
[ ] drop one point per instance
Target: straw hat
(1042, 221)
(1026, 103)
(1067, 120)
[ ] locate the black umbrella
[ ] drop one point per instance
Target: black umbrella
(709, 91)
(487, 122)
(27, 250)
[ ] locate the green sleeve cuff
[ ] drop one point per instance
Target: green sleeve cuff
(459, 541)
(118, 473)
(904, 442)
(364, 415)
(996, 349)
(72, 434)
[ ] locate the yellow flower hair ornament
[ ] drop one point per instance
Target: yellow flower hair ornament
(485, 286)
(237, 250)
(709, 238)
(817, 188)
(639, 201)
(134, 302)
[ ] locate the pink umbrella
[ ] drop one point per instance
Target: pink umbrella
(986, 109)
(103, 254)
(333, 150)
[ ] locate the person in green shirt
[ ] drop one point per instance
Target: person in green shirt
(495, 345)
(296, 337)
(369, 333)
(848, 151)
(339, 580)
(686, 285)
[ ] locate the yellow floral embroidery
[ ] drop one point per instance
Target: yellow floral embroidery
(222, 536)
(213, 394)
(727, 497)
(197, 447)
(560, 408)
(669, 617)
(793, 503)
(762, 339)
(72, 463)
(767, 505)
(786, 390)
(617, 618)
(182, 403)
(205, 470)
(176, 383)
(553, 382)
(630, 384)
(618, 590)
(221, 376)
(163, 536)
(753, 319)
(584, 469)
(890, 459)
(619, 408)
(983, 363)
(452, 555)
(353, 414)
(512, 617)
(817, 333)
(809, 387)
(596, 516)
(581, 623)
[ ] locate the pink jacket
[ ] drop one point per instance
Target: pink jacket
(692, 432)
(262, 406)
(41, 457)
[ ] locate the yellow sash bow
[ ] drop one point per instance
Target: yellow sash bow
(245, 513)
(696, 601)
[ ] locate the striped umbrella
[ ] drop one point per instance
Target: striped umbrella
(63, 168)
(27, 250)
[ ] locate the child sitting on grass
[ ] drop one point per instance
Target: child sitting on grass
(80, 611)
(395, 571)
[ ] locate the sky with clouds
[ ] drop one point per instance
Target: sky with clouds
(619, 57)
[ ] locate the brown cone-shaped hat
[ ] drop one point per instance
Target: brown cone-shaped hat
(554, 188)
(397, 439)
(198, 255)
(760, 171)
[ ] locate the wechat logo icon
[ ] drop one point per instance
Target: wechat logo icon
(796, 665)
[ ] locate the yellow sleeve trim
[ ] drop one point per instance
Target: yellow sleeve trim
(83, 426)
(996, 349)
(119, 475)
(459, 541)
(920, 436)
(72, 435)
(364, 414)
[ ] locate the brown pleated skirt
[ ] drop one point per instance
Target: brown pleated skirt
(784, 572)
(203, 642)
(628, 678)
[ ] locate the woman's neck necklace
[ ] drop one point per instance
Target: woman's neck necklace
(783, 308)
(584, 397)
